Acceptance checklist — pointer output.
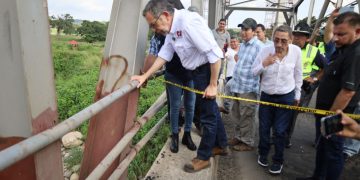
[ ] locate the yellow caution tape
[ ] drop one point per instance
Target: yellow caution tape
(296, 108)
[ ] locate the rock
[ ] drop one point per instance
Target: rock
(66, 155)
(75, 168)
(74, 176)
(72, 139)
(67, 173)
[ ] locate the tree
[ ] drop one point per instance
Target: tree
(93, 31)
(63, 23)
(233, 32)
(313, 21)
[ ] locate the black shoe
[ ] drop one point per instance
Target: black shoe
(346, 157)
(174, 144)
(262, 161)
(223, 110)
(307, 178)
(288, 143)
(275, 168)
(186, 140)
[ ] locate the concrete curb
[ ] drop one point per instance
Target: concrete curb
(170, 165)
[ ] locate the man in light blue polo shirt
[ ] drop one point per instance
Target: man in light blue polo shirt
(245, 84)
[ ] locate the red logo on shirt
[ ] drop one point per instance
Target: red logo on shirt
(178, 33)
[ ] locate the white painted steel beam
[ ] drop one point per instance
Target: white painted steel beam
(33, 144)
(199, 5)
(215, 13)
(27, 95)
(310, 13)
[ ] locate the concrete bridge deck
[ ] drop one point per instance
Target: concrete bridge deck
(299, 159)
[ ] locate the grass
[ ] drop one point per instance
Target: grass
(76, 75)
(74, 158)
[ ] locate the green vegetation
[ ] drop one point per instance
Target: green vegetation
(76, 75)
(143, 161)
(93, 31)
(74, 158)
(62, 23)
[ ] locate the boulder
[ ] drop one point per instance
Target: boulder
(72, 139)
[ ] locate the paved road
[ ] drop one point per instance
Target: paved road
(299, 159)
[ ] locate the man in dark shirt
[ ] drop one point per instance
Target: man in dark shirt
(339, 89)
(312, 65)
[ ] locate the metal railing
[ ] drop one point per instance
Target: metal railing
(21, 150)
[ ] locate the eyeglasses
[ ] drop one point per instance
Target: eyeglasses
(283, 41)
(154, 24)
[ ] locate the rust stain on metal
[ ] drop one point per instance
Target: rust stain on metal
(48, 162)
(24, 169)
(122, 75)
(45, 120)
(108, 126)
(98, 90)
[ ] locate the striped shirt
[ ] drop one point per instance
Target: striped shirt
(244, 81)
(155, 45)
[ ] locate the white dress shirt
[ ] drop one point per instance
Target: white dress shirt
(191, 39)
(283, 76)
(229, 56)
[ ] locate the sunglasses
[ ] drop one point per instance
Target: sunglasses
(282, 41)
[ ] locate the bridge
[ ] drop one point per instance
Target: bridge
(29, 127)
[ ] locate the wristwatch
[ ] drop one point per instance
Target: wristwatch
(315, 79)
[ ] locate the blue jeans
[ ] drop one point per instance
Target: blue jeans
(174, 94)
(352, 146)
(213, 128)
(306, 94)
(279, 119)
(329, 158)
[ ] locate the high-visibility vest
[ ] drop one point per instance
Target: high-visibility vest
(307, 57)
(321, 48)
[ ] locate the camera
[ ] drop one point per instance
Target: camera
(331, 124)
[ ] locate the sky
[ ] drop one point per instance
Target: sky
(100, 10)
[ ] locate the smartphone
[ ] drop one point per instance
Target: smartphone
(346, 9)
(331, 124)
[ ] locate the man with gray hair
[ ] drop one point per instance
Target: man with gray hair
(281, 78)
(188, 35)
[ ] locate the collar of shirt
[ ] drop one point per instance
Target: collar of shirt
(252, 40)
(175, 22)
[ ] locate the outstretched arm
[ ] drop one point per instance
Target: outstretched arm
(159, 62)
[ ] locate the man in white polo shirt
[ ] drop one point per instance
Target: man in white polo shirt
(188, 35)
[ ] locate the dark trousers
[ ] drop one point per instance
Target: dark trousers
(329, 156)
(276, 118)
(213, 128)
(307, 90)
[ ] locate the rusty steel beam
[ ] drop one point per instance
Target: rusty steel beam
(100, 169)
(124, 55)
(135, 149)
(35, 143)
